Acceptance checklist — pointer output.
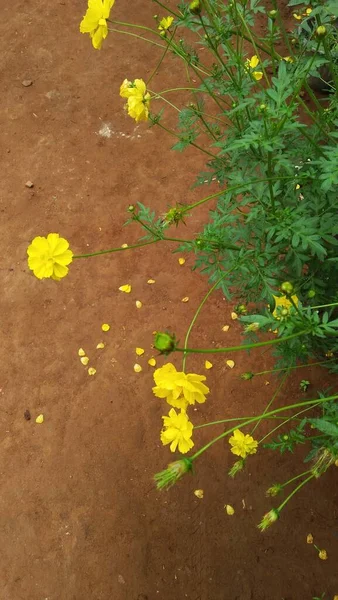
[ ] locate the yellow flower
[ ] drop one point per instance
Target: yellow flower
(257, 75)
(94, 22)
(208, 364)
(177, 431)
(283, 302)
(297, 16)
(138, 99)
(288, 59)
(252, 62)
(178, 388)
(105, 327)
(49, 257)
(242, 444)
(164, 24)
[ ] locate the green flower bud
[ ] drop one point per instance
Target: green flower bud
(287, 288)
(164, 342)
(321, 31)
(284, 312)
(246, 376)
(195, 7)
(272, 14)
(131, 208)
(241, 309)
(268, 519)
(274, 490)
(311, 294)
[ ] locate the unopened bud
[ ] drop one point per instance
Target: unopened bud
(287, 288)
(321, 31)
(247, 376)
(164, 342)
(272, 14)
(195, 7)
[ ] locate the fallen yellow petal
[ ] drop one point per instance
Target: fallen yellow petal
(81, 352)
(139, 351)
(266, 382)
(100, 345)
(181, 260)
(322, 555)
(105, 327)
(229, 509)
(124, 246)
(226, 328)
(91, 371)
(208, 364)
(125, 288)
(138, 304)
(137, 368)
(39, 419)
(309, 538)
(150, 281)
(234, 316)
(199, 493)
(230, 363)
(152, 362)
(185, 299)
(84, 360)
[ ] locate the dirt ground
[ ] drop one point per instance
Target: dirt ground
(79, 516)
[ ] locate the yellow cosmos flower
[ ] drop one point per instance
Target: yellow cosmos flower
(252, 62)
(164, 24)
(257, 75)
(242, 444)
(49, 257)
(177, 431)
(178, 388)
(94, 22)
(138, 99)
(282, 302)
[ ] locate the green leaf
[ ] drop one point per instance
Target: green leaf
(325, 426)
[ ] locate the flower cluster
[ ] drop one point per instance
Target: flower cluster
(179, 390)
(138, 99)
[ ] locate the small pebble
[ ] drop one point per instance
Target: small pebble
(27, 415)
(29, 184)
(27, 82)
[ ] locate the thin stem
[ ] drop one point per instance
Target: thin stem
(193, 321)
(281, 506)
(190, 143)
(295, 478)
(322, 362)
(245, 346)
(178, 15)
(119, 249)
(285, 422)
(137, 36)
(271, 401)
(160, 61)
(324, 305)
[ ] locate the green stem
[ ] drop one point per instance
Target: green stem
(323, 306)
(322, 362)
(271, 401)
(295, 478)
(178, 15)
(281, 506)
(119, 249)
(137, 36)
(285, 422)
(254, 419)
(193, 321)
(190, 143)
(244, 346)
(160, 61)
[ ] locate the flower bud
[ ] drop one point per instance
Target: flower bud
(287, 288)
(131, 208)
(272, 14)
(164, 342)
(274, 490)
(195, 7)
(268, 519)
(321, 31)
(247, 376)
(311, 294)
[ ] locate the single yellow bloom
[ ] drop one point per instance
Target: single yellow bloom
(84, 360)
(165, 23)
(100, 345)
(199, 493)
(226, 328)
(208, 364)
(309, 538)
(138, 304)
(125, 288)
(308, 11)
(178, 388)
(139, 351)
(242, 444)
(185, 299)
(288, 59)
(181, 261)
(230, 363)
(252, 62)
(152, 362)
(283, 302)
(137, 368)
(150, 281)
(105, 327)
(94, 22)
(91, 371)
(177, 431)
(49, 256)
(39, 419)
(229, 509)
(323, 555)
(257, 75)
(81, 352)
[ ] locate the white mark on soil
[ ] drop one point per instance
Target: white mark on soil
(106, 131)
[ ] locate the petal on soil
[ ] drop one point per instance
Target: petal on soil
(199, 493)
(138, 304)
(230, 363)
(181, 260)
(150, 281)
(81, 352)
(139, 351)
(137, 368)
(185, 299)
(229, 509)
(125, 288)
(105, 327)
(226, 328)
(152, 362)
(234, 316)
(91, 371)
(100, 345)
(208, 364)
(84, 360)
(39, 419)
(124, 246)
